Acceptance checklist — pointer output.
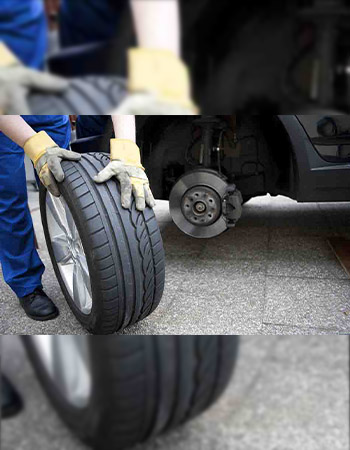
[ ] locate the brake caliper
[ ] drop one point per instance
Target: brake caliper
(232, 205)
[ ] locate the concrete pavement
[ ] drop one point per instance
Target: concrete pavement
(273, 274)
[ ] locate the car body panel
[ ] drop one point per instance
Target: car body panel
(318, 180)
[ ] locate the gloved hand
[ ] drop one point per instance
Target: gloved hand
(159, 83)
(16, 81)
(126, 167)
(47, 156)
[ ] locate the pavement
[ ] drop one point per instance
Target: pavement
(273, 274)
(287, 392)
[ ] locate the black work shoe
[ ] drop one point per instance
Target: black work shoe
(38, 306)
(11, 402)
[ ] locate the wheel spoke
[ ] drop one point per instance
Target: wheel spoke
(70, 367)
(84, 271)
(79, 288)
(66, 360)
(58, 213)
(71, 227)
(61, 249)
(59, 372)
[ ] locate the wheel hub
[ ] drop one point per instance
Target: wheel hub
(201, 206)
(196, 203)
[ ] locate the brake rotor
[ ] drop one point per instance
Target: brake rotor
(196, 204)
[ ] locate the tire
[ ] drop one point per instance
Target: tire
(142, 386)
(122, 253)
(89, 95)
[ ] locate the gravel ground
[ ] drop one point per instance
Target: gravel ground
(288, 392)
(273, 274)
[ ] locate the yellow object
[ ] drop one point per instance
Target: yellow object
(45, 173)
(126, 151)
(160, 72)
(36, 146)
(7, 58)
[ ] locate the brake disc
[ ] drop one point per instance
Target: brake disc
(196, 204)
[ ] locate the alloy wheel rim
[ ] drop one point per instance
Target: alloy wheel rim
(68, 252)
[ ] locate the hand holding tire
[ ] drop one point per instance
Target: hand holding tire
(49, 167)
(158, 84)
(126, 167)
(133, 180)
(147, 103)
(16, 81)
(47, 157)
(16, 84)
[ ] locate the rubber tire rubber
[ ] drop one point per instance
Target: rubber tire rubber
(144, 386)
(124, 248)
(88, 95)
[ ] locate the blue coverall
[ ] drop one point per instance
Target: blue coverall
(21, 264)
(23, 29)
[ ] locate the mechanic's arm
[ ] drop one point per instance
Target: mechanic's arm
(41, 149)
(157, 24)
(157, 76)
(124, 127)
(126, 165)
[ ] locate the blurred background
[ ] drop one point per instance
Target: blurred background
(272, 56)
(286, 392)
(255, 56)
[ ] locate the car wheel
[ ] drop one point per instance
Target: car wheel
(89, 95)
(117, 391)
(109, 261)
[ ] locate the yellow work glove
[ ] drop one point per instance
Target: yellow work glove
(159, 83)
(47, 156)
(126, 167)
(16, 81)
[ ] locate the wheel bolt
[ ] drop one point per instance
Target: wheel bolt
(200, 207)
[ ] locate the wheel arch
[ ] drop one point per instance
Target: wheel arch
(284, 154)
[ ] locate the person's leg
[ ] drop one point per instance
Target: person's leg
(11, 402)
(21, 265)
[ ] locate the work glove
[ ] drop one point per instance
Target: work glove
(126, 167)
(16, 81)
(158, 84)
(47, 156)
